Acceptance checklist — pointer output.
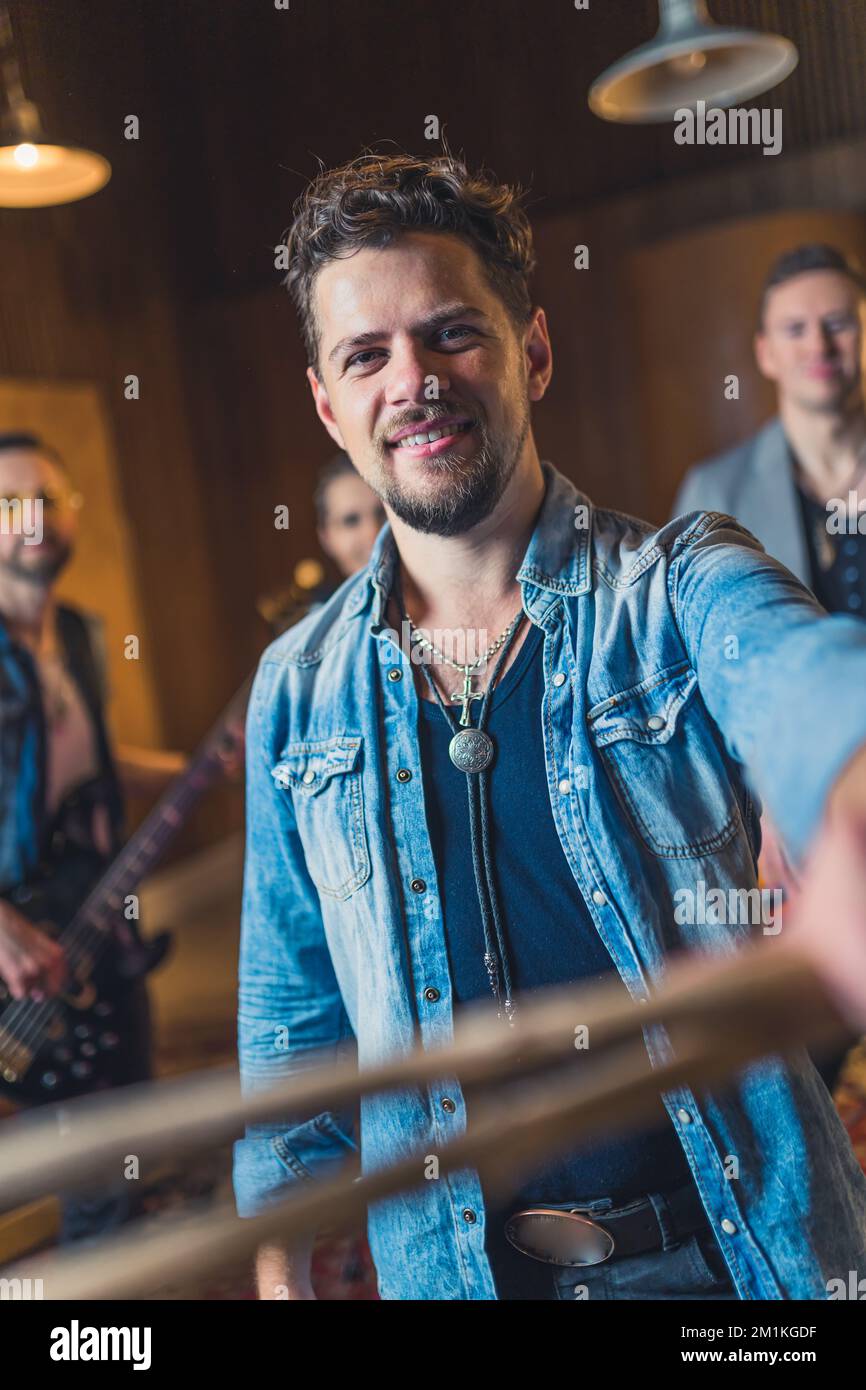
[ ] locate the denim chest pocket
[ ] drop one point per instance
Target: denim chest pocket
(665, 765)
(325, 783)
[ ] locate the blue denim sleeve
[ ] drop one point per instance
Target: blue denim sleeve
(290, 1010)
(784, 681)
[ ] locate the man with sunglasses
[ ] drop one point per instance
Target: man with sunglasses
(61, 785)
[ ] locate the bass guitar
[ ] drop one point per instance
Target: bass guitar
(71, 1044)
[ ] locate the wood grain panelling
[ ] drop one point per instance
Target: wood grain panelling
(45, 333)
(238, 101)
(260, 443)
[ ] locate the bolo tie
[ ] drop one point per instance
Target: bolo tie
(472, 750)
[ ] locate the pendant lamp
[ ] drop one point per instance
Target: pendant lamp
(35, 172)
(690, 59)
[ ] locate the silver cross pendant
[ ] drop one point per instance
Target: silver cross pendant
(466, 696)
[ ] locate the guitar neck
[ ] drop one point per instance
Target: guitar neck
(146, 846)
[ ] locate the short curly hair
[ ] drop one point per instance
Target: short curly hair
(370, 200)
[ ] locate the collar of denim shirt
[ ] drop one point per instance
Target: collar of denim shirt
(557, 561)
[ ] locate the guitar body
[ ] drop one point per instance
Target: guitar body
(92, 1036)
(95, 1035)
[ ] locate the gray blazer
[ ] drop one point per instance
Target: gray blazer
(754, 483)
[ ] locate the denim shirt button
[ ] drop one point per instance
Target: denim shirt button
(418, 885)
(469, 1216)
(309, 776)
(684, 1116)
(560, 678)
(565, 786)
(403, 774)
(598, 897)
(395, 674)
(655, 721)
(448, 1105)
(431, 994)
(728, 1227)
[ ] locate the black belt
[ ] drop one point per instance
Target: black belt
(567, 1235)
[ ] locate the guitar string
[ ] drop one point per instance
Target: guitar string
(83, 934)
(31, 1018)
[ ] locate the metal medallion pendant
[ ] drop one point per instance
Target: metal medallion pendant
(471, 750)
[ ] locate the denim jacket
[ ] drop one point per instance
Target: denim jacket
(674, 658)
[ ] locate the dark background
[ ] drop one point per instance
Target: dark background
(169, 271)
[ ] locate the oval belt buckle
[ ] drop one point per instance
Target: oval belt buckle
(559, 1237)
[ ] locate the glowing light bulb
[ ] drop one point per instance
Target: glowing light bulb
(308, 573)
(26, 156)
(689, 64)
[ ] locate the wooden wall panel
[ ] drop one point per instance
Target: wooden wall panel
(62, 319)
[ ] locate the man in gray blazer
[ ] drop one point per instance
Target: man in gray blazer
(799, 484)
(781, 483)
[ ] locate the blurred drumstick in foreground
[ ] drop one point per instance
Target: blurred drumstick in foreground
(719, 1014)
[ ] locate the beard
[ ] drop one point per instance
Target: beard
(847, 396)
(466, 489)
(41, 571)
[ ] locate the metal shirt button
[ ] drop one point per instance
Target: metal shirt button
(598, 897)
(403, 774)
(309, 776)
(431, 994)
(684, 1116)
(418, 885)
(728, 1227)
(560, 678)
(656, 721)
(395, 674)
(565, 786)
(469, 1216)
(448, 1106)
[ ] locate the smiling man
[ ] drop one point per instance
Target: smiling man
(422, 834)
(779, 484)
(62, 782)
(799, 484)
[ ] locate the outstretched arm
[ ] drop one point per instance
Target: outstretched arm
(784, 681)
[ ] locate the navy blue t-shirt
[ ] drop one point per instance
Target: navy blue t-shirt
(551, 936)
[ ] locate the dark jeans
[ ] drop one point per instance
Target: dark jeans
(693, 1268)
(93, 1213)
